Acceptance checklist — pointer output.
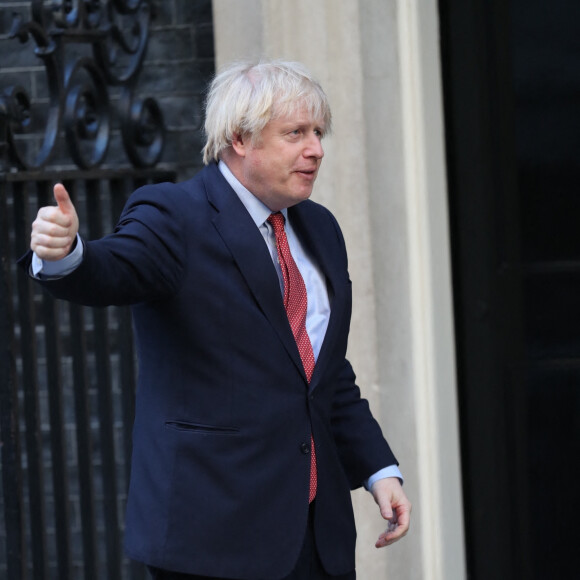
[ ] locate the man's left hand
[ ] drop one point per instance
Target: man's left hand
(395, 508)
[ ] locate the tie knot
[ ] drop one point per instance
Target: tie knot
(277, 220)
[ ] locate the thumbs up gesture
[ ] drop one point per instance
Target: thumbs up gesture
(55, 228)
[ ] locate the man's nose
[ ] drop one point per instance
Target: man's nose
(314, 147)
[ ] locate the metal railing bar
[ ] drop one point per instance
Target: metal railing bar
(83, 432)
(104, 401)
(32, 435)
(53, 346)
(9, 432)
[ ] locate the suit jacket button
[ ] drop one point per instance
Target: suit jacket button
(305, 448)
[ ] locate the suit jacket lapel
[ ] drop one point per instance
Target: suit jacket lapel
(316, 239)
(246, 244)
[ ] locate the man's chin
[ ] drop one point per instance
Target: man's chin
(302, 196)
(291, 198)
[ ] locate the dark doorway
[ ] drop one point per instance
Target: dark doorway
(511, 84)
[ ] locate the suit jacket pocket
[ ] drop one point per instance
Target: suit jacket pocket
(201, 429)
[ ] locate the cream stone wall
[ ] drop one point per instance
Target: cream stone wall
(383, 176)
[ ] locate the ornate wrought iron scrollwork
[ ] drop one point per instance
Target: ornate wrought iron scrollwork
(80, 83)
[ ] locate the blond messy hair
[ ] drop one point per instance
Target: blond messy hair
(244, 97)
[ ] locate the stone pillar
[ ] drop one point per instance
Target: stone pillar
(383, 177)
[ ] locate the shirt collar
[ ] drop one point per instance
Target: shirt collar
(257, 210)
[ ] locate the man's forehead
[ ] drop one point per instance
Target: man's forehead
(301, 116)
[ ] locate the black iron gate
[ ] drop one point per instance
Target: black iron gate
(67, 373)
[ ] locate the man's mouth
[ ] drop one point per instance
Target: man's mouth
(308, 173)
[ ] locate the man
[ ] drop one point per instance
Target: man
(250, 430)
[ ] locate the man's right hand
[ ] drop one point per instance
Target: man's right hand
(55, 228)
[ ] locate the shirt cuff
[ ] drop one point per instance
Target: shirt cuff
(46, 269)
(390, 471)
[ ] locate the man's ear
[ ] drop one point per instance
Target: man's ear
(240, 143)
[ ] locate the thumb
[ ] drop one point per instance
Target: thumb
(386, 509)
(63, 199)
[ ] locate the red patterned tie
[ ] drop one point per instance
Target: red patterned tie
(295, 302)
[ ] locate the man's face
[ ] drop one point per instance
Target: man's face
(280, 166)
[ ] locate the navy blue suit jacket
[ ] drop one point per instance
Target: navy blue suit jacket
(220, 470)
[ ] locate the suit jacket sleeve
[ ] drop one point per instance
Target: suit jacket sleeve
(362, 448)
(142, 260)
